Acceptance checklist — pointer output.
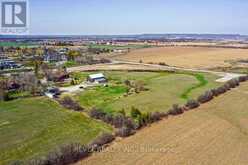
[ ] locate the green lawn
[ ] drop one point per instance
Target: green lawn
(32, 127)
(165, 89)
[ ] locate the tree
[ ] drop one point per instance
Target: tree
(72, 54)
(37, 65)
(3, 90)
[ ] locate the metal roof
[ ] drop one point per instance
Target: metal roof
(96, 76)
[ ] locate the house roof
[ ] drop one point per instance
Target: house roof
(96, 76)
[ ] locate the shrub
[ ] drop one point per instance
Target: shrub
(156, 116)
(176, 110)
(233, 83)
(101, 141)
(206, 97)
(227, 86)
(124, 132)
(107, 118)
(243, 78)
(119, 121)
(64, 155)
(220, 90)
(97, 113)
(69, 103)
(192, 104)
(135, 113)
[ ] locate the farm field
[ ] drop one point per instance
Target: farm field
(32, 128)
(187, 57)
(17, 44)
(215, 133)
(112, 47)
(164, 90)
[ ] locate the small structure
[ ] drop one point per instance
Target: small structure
(52, 92)
(55, 56)
(8, 64)
(97, 78)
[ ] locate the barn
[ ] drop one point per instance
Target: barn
(97, 78)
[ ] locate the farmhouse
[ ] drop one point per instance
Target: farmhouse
(97, 78)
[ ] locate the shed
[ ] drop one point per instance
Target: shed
(97, 78)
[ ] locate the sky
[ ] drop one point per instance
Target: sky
(111, 17)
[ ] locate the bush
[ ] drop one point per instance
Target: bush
(65, 155)
(227, 86)
(104, 139)
(206, 97)
(192, 104)
(69, 103)
(156, 116)
(107, 118)
(119, 121)
(243, 78)
(220, 90)
(135, 113)
(97, 113)
(124, 132)
(233, 83)
(176, 110)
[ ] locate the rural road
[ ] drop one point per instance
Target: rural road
(126, 65)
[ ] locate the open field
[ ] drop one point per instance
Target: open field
(187, 57)
(216, 133)
(165, 89)
(17, 44)
(33, 127)
(112, 47)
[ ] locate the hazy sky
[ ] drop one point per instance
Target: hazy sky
(138, 16)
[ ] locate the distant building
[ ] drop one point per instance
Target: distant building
(97, 78)
(55, 57)
(8, 64)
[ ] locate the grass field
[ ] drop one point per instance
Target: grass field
(165, 89)
(32, 127)
(112, 47)
(188, 57)
(216, 133)
(17, 44)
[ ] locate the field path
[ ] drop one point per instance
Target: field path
(216, 134)
(126, 65)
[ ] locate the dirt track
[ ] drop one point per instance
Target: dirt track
(216, 134)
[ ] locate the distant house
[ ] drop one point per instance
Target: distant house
(8, 64)
(97, 78)
(55, 56)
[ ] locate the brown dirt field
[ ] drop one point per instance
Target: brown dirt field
(216, 133)
(187, 57)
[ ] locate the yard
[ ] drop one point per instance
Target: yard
(164, 89)
(33, 127)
